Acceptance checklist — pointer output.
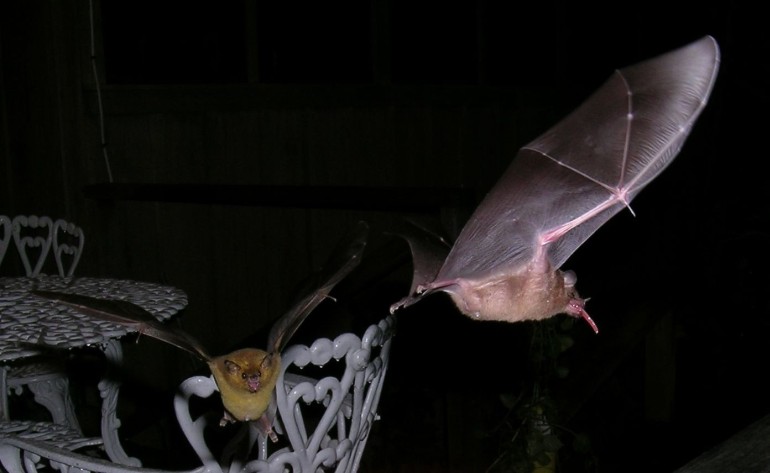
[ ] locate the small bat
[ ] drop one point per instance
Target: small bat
(562, 187)
(246, 378)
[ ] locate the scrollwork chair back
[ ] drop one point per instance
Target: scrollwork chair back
(32, 232)
(68, 241)
(35, 237)
(331, 441)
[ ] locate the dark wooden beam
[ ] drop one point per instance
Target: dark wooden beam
(400, 199)
(133, 99)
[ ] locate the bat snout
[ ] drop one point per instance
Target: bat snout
(252, 381)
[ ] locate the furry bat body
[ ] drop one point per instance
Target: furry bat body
(246, 378)
(562, 187)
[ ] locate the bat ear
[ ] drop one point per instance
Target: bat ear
(267, 361)
(232, 367)
(570, 278)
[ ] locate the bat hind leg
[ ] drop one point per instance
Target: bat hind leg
(265, 425)
(227, 418)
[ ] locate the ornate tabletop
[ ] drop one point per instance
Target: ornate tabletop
(30, 324)
(27, 320)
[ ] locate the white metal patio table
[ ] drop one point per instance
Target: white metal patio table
(30, 324)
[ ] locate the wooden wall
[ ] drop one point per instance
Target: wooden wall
(239, 264)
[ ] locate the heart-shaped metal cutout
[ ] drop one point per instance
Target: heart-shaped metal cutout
(68, 241)
(32, 232)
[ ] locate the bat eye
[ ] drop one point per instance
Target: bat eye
(257, 374)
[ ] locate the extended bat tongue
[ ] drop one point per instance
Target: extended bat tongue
(576, 308)
(584, 315)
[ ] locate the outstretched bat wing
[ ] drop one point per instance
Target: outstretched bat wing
(429, 251)
(344, 258)
(129, 315)
(568, 182)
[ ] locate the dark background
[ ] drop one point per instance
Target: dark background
(414, 101)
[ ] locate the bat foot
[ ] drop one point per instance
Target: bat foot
(226, 419)
(265, 426)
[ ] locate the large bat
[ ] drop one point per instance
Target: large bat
(562, 187)
(245, 378)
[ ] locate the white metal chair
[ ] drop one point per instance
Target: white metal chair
(346, 395)
(44, 376)
(36, 236)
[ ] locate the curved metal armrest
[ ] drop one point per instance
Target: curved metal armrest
(200, 386)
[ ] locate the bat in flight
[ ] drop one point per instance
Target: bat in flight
(245, 378)
(562, 187)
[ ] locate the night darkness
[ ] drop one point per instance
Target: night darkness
(691, 265)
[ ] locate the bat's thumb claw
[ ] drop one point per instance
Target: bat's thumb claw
(405, 302)
(396, 306)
